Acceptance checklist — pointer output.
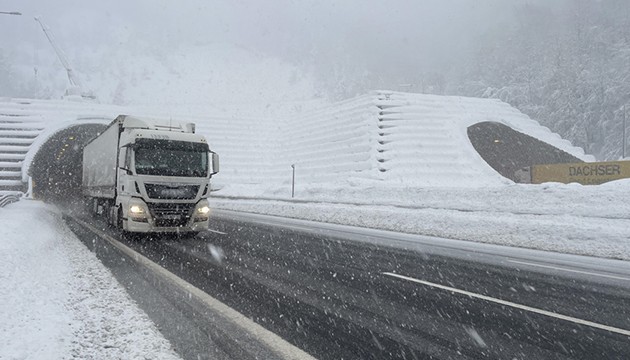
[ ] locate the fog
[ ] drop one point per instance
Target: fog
(384, 42)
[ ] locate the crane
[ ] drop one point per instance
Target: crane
(75, 85)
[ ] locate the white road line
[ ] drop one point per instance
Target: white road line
(217, 232)
(281, 347)
(514, 305)
(570, 270)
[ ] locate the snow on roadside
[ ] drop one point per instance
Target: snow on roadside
(58, 301)
(573, 219)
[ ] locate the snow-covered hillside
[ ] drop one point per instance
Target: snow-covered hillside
(210, 79)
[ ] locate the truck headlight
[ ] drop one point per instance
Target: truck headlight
(136, 210)
(202, 210)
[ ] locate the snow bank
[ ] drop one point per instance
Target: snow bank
(58, 301)
(572, 219)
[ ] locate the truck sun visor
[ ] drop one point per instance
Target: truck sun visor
(170, 144)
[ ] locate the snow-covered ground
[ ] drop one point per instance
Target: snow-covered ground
(565, 218)
(58, 301)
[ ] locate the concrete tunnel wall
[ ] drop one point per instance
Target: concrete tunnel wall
(57, 161)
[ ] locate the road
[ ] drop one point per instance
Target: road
(340, 292)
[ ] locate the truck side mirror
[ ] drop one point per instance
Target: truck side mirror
(127, 171)
(215, 163)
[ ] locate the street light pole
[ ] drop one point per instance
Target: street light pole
(10, 13)
(293, 182)
(625, 140)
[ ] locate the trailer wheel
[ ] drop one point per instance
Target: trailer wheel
(90, 205)
(93, 207)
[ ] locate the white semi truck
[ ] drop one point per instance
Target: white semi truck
(149, 175)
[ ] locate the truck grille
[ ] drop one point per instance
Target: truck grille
(179, 192)
(171, 215)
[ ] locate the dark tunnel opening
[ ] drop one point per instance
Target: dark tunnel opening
(57, 167)
(507, 150)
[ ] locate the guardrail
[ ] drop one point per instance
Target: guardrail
(6, 199)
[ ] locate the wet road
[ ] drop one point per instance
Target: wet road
(340, 293)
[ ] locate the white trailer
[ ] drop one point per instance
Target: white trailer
(149, 175)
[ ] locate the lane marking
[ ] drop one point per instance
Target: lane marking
(277, 344)
(570, 270)
(514, 305)
(217, 232)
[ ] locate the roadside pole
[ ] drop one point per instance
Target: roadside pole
(293, 181)
(625, 139)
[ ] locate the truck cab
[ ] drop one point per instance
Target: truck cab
(162, 176)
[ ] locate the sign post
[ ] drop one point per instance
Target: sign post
(625, 139)
(293, 181)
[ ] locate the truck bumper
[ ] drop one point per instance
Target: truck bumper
(146, 227)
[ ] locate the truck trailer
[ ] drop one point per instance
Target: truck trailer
(149, 175)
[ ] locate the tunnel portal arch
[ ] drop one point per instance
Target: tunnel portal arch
(507, 150)
(56, 165)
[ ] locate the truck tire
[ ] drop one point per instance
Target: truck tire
(93, 205)
(128, 235)
(119, 221)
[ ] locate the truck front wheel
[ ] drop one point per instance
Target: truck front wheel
(119, 220)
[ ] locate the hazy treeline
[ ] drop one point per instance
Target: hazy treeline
(16, 84)
(569, 68)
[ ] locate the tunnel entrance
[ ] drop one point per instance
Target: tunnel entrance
(57, 167)
(507, 150)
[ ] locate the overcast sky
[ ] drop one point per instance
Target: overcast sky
(284, 27)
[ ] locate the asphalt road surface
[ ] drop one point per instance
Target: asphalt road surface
(343, 293)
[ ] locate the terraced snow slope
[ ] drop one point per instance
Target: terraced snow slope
(423, 139)
(385, 139)
(389, 139)
(26, 124)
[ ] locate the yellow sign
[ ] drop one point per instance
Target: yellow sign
(588, 173)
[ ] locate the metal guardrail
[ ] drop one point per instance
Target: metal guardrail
(6, 199)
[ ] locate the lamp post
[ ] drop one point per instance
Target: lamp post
(10, 13)
(293, 181)
(625, 140)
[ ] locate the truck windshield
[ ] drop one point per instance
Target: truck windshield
(171, 158)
